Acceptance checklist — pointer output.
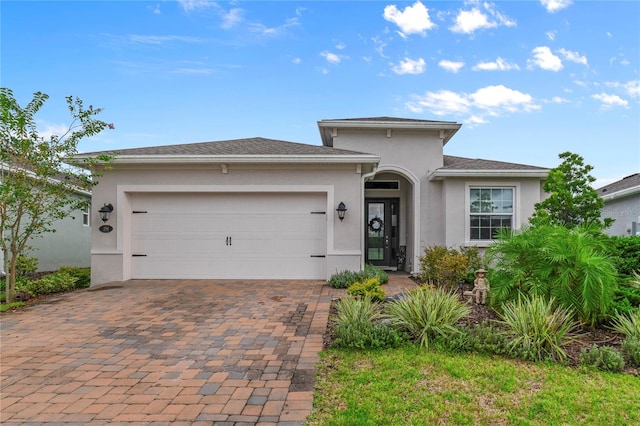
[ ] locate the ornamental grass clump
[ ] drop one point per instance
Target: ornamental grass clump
(537, 330)
(629, 325)
(427, 313)
(358, 324)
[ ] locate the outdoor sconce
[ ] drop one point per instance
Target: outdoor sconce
(342, 209)
(105, 211)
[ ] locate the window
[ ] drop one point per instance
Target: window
(382, 184)
(85, 216)
(490, 210)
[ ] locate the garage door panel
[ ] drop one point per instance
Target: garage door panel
(242, 235)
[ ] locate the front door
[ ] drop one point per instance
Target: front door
(382, 239)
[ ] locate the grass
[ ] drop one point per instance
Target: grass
(411, 386)
(8, 306)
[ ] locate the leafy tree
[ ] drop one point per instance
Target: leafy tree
(37, 186)
(572, 201)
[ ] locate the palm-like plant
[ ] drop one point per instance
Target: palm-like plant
(571, 265)
(426, 313)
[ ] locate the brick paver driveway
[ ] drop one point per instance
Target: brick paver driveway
(216, 352)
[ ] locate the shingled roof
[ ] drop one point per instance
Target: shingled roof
(390, 120)
(462, 163)
(236, 147)
(625, 184)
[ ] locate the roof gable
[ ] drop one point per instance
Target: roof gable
(626, 186)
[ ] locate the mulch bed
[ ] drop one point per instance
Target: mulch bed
(482, 313)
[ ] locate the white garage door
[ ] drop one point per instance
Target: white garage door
(235, 235)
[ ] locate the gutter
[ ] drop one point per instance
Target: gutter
(442, 174)
(622, 193)
(262, 159)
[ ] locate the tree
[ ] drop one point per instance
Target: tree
(37, 186)
(573, 202)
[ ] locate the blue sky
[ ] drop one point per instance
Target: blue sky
(527, 79)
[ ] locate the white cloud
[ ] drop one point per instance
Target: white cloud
(498, 65)
(490, 101)
(551, 35)
(558, 100)
(633, 88)
(413, 20)
(468, 21)
(273, 31)
(155, 9)
(610, 101)
(191, 5)
(332, 58)
(160, 40)
(379, 46)
(46, 130)
(545, 59)
(573, 56)
(451, 66)
(630, 88)
(409, 66)
(498, 99)
(553, 6)
(232, 18)
(444, 102)
(296, 61)
(341, 46)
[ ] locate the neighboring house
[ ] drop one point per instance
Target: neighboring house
(69, 245)
(262, 208)
(622, 203)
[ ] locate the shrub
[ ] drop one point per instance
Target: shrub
(373, 271)
(484, 338)
(82, 274)
(357, 325)
(603, 358)
(447, 266)
(426, 313)
(536, 330)
(572, 266)
(343, 279)
(26, 266)
(631, 351)
(52, 283)
(629, 325)
(369, 288)
(626, 252)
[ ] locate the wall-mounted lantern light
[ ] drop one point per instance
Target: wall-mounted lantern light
(105, 212)
(342, 209)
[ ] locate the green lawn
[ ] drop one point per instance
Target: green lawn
(410, 386)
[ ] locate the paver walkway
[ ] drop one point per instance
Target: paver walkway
(158, 352)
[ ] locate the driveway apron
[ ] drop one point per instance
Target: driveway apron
(156, 351)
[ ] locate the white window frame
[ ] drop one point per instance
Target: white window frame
(86, 216)
(515, 215)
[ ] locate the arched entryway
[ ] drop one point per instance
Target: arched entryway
(390, 205)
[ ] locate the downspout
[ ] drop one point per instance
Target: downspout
(365, 177)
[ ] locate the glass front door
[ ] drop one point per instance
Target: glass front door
(382, 233)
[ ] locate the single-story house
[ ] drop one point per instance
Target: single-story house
(377, 191)
(69, 245)
(622, 203)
